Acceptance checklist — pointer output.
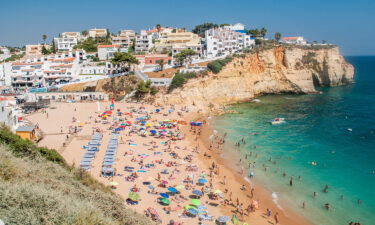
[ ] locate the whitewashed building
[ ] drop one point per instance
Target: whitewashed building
(106, 52)
(9, 113)
(143, 42)
(76, 35)
(294, 40)
(46, 70)
(124, 39)
(65, 43)
(4, 53)
(226, 40)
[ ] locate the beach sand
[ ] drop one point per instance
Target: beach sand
(57, 119)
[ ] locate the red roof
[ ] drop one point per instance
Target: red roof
(64, 60)
(24, 64)
(290, 38)
(108, 46)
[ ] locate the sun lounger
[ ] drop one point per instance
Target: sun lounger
(108, 163)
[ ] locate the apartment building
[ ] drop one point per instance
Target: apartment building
(124, 39)
(176, 42)
(107, 51)
(143, 42)
(98, 33)
(36, 49)
(65, 43)
(40, 70)
(226, 40)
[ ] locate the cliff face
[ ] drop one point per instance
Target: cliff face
(273, 71)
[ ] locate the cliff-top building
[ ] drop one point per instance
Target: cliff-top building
(294, 40)
(226, 40)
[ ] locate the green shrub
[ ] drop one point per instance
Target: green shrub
(180, 79)
(23, 148)
(217, 65)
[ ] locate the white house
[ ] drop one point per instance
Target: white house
(294, 40)
(9, 113)
(65, 43)
(5, 74)
(226, 40)
(4, 53)
(76, 35)
(107, 51)
(143, 42)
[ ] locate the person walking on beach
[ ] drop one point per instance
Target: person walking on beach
(291, 181)
(276, 218)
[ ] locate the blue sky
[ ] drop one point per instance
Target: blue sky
(350, 24)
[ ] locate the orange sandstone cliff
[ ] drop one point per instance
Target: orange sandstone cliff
(273, 71)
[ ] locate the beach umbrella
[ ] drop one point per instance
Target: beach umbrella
(153, 131)
(133, 196)
(151, 187)
(165, 201)
(217, 191)
(187, 207)
(223, 219)
(202, 181)
(164, 195)
(164, 182)
(193, 211)
(196, 202)
(113, 183)
(196, 192)
(180, 186)
(172, 189)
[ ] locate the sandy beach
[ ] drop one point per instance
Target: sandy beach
(149, 165)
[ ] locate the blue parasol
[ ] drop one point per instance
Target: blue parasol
(172, 189)
(164, 195)
(196, 192)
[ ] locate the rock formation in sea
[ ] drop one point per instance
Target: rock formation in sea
(281, 69)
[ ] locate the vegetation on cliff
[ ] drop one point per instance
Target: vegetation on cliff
(217, 65)
(38, 187)
(180, 79)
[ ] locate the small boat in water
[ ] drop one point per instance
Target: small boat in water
(277, 120)
(255, 100)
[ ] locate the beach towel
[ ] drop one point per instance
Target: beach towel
(131, 144)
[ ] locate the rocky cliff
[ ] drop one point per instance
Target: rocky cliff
(277, 70)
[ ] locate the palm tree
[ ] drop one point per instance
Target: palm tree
(158, 27)
(84, 32)
(263, 32)
(44, 37)
(277, 36)
(160, 62)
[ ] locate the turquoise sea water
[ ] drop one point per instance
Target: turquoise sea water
(316, 130)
